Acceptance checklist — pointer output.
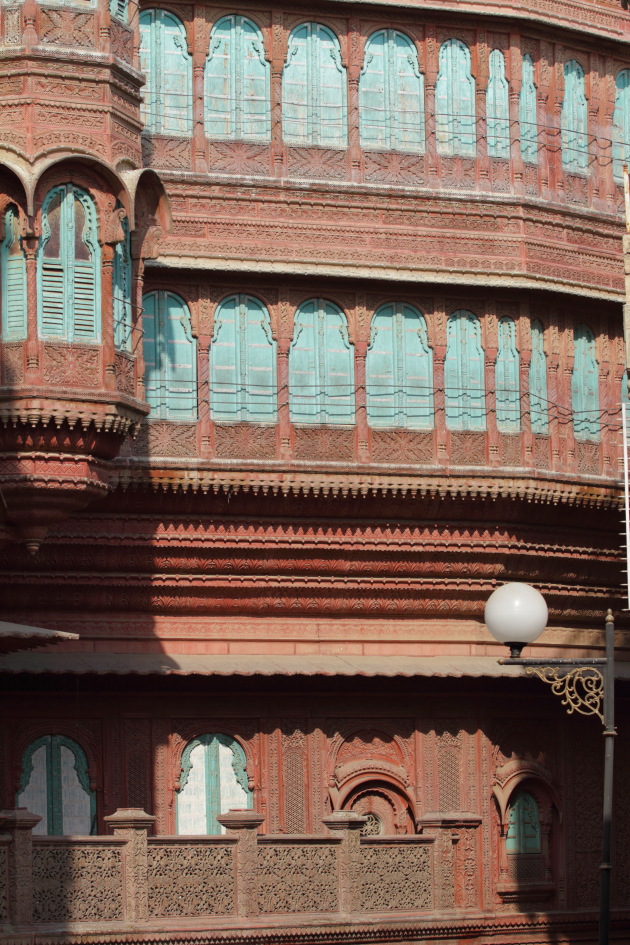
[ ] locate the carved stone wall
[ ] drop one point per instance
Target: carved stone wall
(190, 879)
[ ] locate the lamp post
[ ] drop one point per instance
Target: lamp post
(516, 614)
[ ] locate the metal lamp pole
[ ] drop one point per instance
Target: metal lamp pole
(586, 686)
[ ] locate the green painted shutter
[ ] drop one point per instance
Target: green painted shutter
(527, 113)
(84, 303)
(259, 362)
(498, 108)
(181, 360)
(221, 79)
(538, 402)
(53, 294)
(507, 379)
(523, 835)
(118, 8)
(164, 59)
(585, 386)
(122, 291)
(237, 82)
(574, 120)
(336, 371)
(254, 98)
(153, 391)
(374, 115)
(13, 278)
(304, 385)
(621, 123)
(225, 399)
(391, 94)
(380, 369)
(147, 52)
(455, 100)
(464, 380)
(297, 109)
(314, 95)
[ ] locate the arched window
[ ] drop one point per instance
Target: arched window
(55, 784)
(170, 357)
(508, 382)
(464, 380)
(455, 100)
(523, 835)
(538, 401)
(391, 94)
(164, 59)
(314, 110)
(527, 112)
(574, 120)
(585, 385)
(399, 369)
(68, 266)
(13, 278)
(213, 781)
(321, 365)
(122, 291)
(238, 96)
(243, 382)
(498, 108)
(621, 123)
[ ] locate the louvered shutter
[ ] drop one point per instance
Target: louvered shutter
(406, 90)
(150, 326)
(221, 91)
(15, 298)
(507, 380)
(337, 366)
(373, 99)
(297, 116)
(118, 8)
(379, 368)
(330, 117)
(175, 76)
(84, 302)
(180, 356)
(260, 362)
(53, 300)
(414, 378)
(225, 399)
(254, 98)
(304, 388)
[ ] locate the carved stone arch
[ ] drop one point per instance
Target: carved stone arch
(147, 196)
(13, 188)
(337, 26)
(187, 733)
(388, 807)
(348, 732)
(68, 728)
(519, 775)
(184, 14)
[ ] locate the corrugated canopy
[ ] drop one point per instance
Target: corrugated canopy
(160, 664)
(18, 636)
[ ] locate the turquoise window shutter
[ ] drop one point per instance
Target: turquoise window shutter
(68, 266)
(55, 784)
(538, 400)
(170, 357)
(523, 835)
(574, 120)
(213, 780)
(498, 108)
(585, 386)
(527, 112)
(399, 369)
(118, 8)
(507, 379)
(621, 123)
(164, 59)
(391, 94)
(455, 101)
(243, 379)
(122, 291)
(321, 365)
(13, 279)
(625, 398)
(238, 95)
(314, 92)
(464, 375)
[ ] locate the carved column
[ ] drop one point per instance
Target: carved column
(515, 77)
(354, 71)
(277, 65)
(363, 433)
(244, 824)
(19, 823)
(107, 317)
(347, 825)
(432, 167)
(481, 77)
(284, 416)
(133, 825)
(33, 367)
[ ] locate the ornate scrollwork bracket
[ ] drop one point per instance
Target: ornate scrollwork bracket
(580, 689)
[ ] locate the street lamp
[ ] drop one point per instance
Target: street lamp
(516, 614)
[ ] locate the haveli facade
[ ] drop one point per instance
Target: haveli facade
(311, 336)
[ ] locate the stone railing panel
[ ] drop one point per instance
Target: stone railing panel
(394, 874)
(191, 877)
(297, 874)
(77, 879)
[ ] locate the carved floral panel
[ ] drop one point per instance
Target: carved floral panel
(295, 878)
(77, 883)
(394, 877)
(190, 879)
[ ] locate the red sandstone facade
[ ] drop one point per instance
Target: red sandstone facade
(313, 592)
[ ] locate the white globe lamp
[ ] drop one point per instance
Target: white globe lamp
(516, 614)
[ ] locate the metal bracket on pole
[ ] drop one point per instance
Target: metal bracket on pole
(580, 689)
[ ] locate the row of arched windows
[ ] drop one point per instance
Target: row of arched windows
(399, 368)
(391, 93)
(55, 784)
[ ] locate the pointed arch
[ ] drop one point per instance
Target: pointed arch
(13, 278)
(213, 780)
(391, 94)
(585, 385)
(399, 369)
(538, 399)
(237, 82)
(574, 120)
(167, 65)
(69, 266)
(455, 100)
(55, 784)
(507, 379)
(243, 376)
(170, 357)
(527, 112)
(321, 365)
(498, 107)
(464, 373)
(621, 123)
(314, 92)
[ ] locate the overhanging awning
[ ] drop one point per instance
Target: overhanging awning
(160, 664)
(18, 636)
